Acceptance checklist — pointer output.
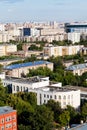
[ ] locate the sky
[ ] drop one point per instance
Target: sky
(43, 10)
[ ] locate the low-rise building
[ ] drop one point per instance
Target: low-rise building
(63, 95)
(45, 90)
(6, 48)
(17, 70)
(24, 84)
(78, 69)
(8, 118)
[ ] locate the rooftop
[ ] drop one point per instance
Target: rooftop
(57, 89)
(5, 109)
(35, 63)
(27, 80)
(76, 67)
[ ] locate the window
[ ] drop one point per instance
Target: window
(64, 97)
(59, 97)
(50, 96)
(10, 118)
(2, 128)
(14, 87)
(14, 117)
(47, 96)
(14, 124)
(24, 89)
(68, 103)
(2, 121)
(21, 88)
(44, 95)
(44, 101)
(64, 103)
(17, 88)
(55, 97)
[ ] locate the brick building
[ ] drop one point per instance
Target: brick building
(8, 118)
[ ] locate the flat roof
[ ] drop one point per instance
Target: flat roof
(35, 63)
(6, 109)
(25, 80)
(76, 67)
(57, 89)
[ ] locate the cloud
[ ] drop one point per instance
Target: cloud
(11, 1)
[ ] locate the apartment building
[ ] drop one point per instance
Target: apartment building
(6, 48)
(17, 70)
(62, 50)
(74, 37)
(5, 36)
(83, 51)
(51, 31)
(8, 118)
(78, 69)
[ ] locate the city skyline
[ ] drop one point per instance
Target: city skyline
(50, 10)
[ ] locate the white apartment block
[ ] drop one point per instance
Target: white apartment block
(62, 50)
(74, 37)
(5, 36)
(51, 31)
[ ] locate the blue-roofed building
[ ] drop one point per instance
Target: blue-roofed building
(78, 69)
(17, 70)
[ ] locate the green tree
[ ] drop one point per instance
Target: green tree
(64, 118)
(84, 111)
(43, 118)
(55, 107)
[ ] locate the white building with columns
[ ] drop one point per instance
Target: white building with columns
(44, 90)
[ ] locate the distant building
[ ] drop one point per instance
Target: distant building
(7, 48)
(17, 70)
(8, 118)
(74, 37)
(78, 69)
(83, 51)
(31, 32)
(76, 27)
(62, 50)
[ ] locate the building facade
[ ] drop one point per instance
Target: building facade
(62, 50)
(24, 84)
(7, 48)
(76, 27)
(8, 118)
(45, 90)
(78, 69)
(63, 95)
(17, 70)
